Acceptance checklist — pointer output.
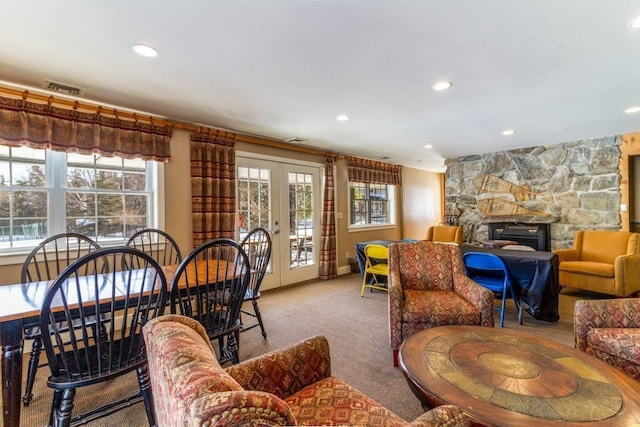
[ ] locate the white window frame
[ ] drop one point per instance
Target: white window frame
(56, 174)
(391, 198)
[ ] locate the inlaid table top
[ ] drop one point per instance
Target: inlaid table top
(502, 377)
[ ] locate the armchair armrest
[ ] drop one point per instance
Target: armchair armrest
(235, 408)
(477, 295)
(297, 366)
(603, 313)
(567, 254)
(395, 298)
(627, 274)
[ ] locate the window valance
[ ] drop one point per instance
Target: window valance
(373, 172)
(36, 125)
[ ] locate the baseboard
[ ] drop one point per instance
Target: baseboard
(344, 270)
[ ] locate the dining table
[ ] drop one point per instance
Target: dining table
(20, 306)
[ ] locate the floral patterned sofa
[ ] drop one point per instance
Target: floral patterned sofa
(290, 386)
(610, 330)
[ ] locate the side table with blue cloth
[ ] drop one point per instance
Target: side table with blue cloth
(360, 250)
(535, 279)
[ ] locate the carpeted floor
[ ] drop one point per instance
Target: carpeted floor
(357, 331)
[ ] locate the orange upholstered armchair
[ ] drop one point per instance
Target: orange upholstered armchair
(602, 261)
(445, 233)
(428, 287)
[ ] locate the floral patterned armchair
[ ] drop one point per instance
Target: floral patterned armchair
(428, 287)
(609, 329)
(290, 386)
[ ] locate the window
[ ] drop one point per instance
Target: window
(371, 204)
(45, 192)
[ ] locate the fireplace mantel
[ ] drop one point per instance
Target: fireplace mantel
(521, 219)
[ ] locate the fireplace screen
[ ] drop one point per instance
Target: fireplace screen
(534, 235)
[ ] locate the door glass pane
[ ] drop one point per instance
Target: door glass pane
(302, 245)
(254, 199)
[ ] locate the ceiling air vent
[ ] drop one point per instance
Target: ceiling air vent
(295, 140)
(64, 88)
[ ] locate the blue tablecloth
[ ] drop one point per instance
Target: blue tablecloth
(535, 279)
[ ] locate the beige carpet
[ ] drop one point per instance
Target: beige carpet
(357, 331)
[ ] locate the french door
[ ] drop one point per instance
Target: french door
(284, 199)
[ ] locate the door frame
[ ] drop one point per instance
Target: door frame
(302, 273)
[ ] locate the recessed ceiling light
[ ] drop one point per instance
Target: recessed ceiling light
(428, 146)
(508, 132)
(144, 50)
(635, 24)
(442, 85)
(342, 118)
(632, 110)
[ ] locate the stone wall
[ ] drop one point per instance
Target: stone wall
(573, 186)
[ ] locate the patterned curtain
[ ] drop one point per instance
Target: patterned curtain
(328, 265)
(24, 123)
(213, 185)
(372, 172)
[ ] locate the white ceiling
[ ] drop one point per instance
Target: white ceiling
(553, 70)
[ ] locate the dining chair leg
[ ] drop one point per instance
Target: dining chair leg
(256, 310)
(147, 396)
(62, 415)
(364, 283)
(34, 360)
(55, 403)
(235, 350)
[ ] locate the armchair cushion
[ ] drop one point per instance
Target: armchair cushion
(290, 386)
(589, 267)
(438, 308)
(623, 343)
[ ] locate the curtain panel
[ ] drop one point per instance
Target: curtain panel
(373, 172)
(24, 123)
(328, 258)
(213, 185)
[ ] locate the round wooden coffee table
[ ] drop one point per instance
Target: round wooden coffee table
(502, 377)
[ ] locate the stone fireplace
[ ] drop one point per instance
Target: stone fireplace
(565, 187)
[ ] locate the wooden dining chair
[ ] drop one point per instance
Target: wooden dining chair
(43, 264)
(257, 246)
(209, 286)
(158, 244)
(88, 356)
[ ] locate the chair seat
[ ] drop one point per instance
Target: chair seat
(380, 269)
(588, 267)
(494, 284)
(623, 343)
(251, 294)
(331, 401)
(92, 372)
(438, 308)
